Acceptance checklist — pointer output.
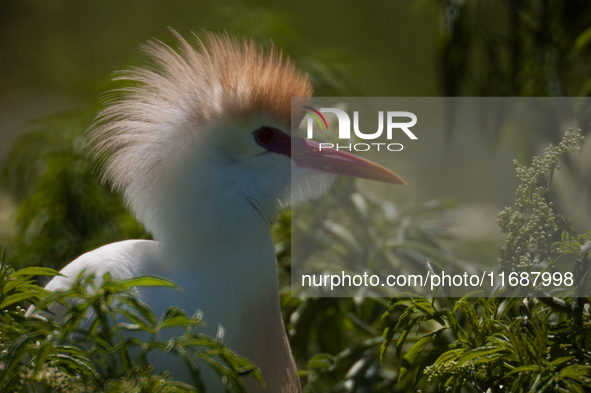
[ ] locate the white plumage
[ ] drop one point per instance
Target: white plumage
(201, 148)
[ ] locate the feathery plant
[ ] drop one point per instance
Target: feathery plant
(537, 343)
(63, 209)
(336, 341)
(90, 350)
(530, 227)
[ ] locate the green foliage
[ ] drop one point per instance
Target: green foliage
(19, 286)
(354, 226)
(89, 349)
(531, 227)
(63, 208)
(353, 345)
(513, 344)
(329, 71)
(64, 211)
(515, 48)
(493, 349)
(336, 341)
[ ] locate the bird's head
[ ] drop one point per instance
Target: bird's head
(213, 123)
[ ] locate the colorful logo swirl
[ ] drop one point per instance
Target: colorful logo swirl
(316, 117)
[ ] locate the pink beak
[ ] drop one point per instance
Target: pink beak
(308, 154)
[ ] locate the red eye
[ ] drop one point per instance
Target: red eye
(265, 136)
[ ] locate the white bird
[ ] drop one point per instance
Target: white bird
(201, 148)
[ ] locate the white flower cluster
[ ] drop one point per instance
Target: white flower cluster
(534, 221)
(53, 378)
(444, 371)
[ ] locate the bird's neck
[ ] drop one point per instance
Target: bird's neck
(218, 247)
(216, 230)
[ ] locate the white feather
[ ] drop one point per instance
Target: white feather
(180, 148)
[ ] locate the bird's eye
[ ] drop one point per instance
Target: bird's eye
(265, 136)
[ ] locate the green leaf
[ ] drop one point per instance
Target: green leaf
(557, 304)
(409, 367)
(179, 320)
(321, 362)
(36, 271)
(477, 353)
(17, 297)
(582, 41)
(438, 204)
(425, 307)
(149, 281)
(561, 360)
(137, 320)
(42, 355)
(523, 369)
(450, 355)
(403, 335)
(388, 335)
(224, 371)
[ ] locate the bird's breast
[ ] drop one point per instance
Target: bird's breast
(237, 288)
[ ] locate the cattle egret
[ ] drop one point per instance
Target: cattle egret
(201, 148)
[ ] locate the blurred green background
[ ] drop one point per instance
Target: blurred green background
(60, 56)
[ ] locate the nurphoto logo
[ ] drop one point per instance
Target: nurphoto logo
(393, 125)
